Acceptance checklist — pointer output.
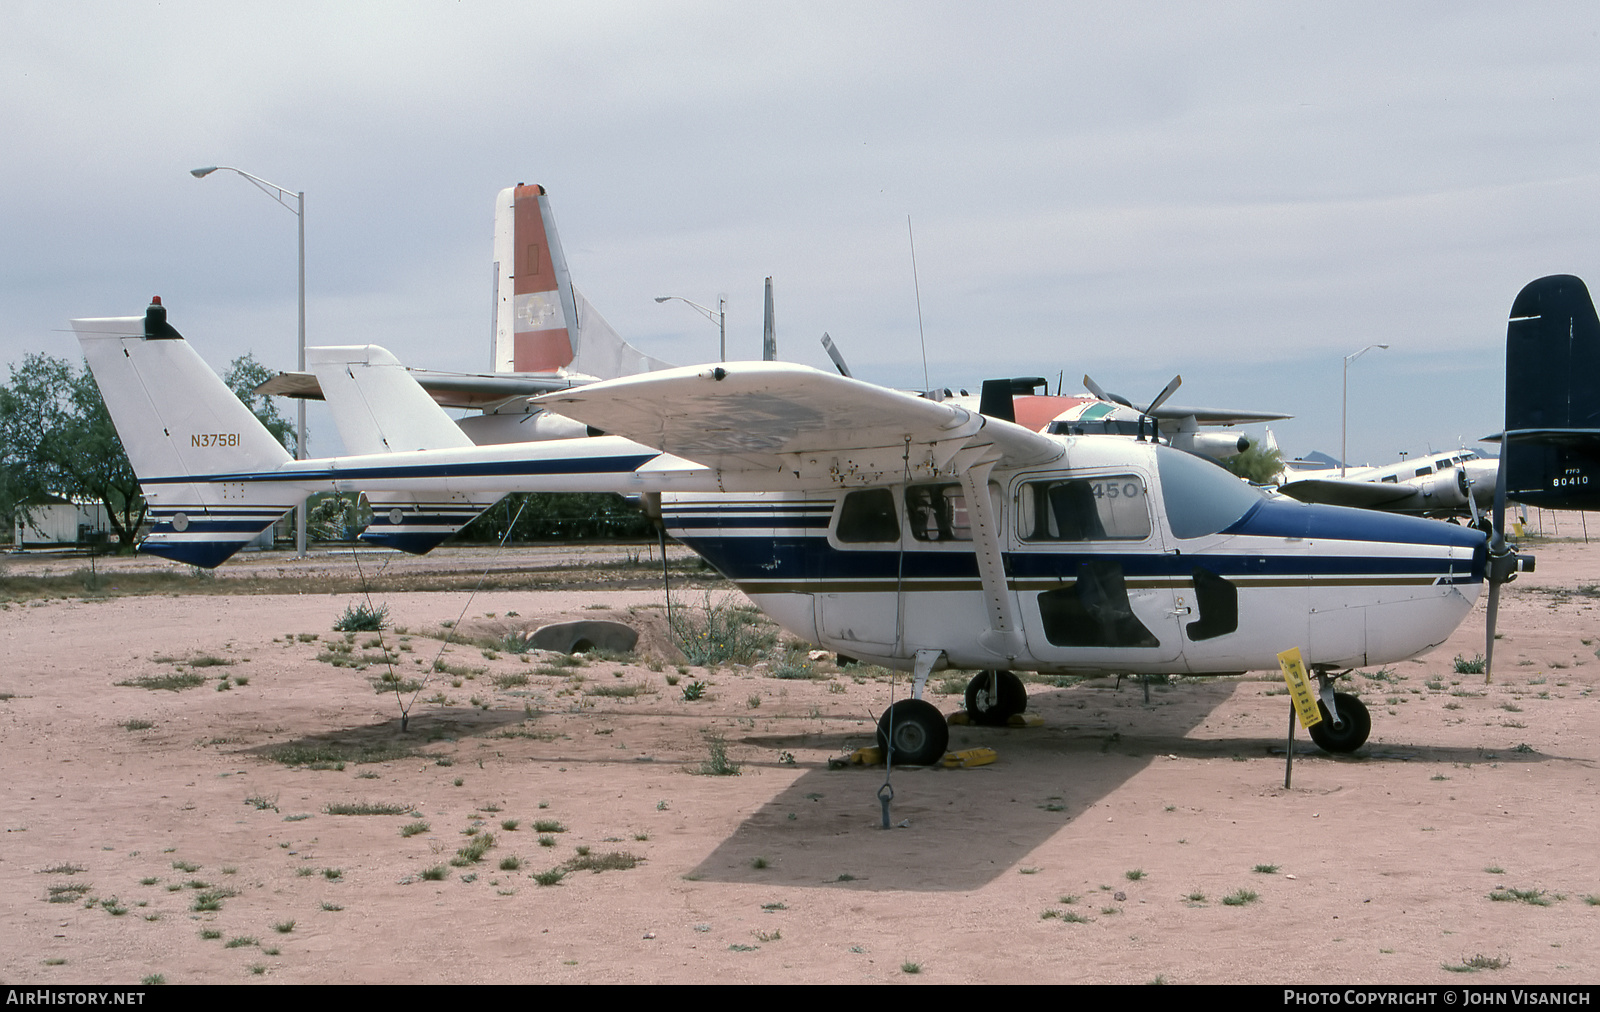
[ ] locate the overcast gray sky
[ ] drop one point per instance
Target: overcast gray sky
(1241, 193)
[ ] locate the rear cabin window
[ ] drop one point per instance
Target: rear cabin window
(868, 516)
(1111, 507)
(938, 512)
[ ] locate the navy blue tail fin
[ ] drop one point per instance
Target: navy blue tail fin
(1552, 429)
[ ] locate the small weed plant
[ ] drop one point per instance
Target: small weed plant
(175, 682)
(721, 633)
(366, 808)
(362, 617)
(717, 763)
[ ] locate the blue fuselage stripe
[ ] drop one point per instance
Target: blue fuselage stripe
(458, 469)
(798, 557)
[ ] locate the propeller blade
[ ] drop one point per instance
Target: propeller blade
(1094, 388)
(1464, 482)
(1488, 644)
(1500, 495)
(1161, 398)
(838, 359)
(1497, 563)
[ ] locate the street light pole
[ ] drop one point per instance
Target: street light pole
(1344, 412)
(720, 318)
(280, 194)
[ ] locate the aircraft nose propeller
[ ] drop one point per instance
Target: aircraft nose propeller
(1504, 564)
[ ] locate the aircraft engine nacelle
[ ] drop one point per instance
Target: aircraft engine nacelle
(1446, 491)
(1217, 445)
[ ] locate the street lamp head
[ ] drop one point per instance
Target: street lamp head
(202, 173)
(663, 298)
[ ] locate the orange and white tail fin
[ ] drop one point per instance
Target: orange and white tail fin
(541, 323)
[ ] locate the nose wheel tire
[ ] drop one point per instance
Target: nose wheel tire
(913, 732)
(994, 696)
(1357, 724)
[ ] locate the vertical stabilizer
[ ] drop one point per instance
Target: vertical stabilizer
(769, 330)
(187, 437)
(534, 310)
(541, 323)
(378, 407)
(1552, 444)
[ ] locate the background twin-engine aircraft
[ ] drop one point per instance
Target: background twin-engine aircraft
(1452, 484)
(904, 530)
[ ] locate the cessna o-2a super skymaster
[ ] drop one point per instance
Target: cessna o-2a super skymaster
(896, 529)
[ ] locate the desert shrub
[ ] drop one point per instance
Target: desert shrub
(722, 633)
(362, 617)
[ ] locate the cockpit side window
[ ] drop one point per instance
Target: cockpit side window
(868, 516)
(1101, 508)
(938, 512)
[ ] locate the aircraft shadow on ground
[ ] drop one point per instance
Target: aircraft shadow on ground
(378, 742)
(828, 822)
(959, 829)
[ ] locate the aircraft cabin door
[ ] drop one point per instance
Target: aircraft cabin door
(1091, 573)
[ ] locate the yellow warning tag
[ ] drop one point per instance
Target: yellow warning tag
(1294, 676)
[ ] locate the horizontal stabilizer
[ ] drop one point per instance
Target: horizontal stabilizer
(417, 525)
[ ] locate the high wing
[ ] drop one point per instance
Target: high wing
(1215, 416)
(805, 427)
(1371, 495)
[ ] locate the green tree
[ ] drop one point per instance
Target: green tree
(243, 376)
(547, 516)
(1258, 464)
(56, 439)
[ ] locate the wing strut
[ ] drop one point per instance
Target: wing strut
(1004, 635)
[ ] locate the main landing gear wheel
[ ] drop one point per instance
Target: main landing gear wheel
(1351, 734)
(913, 732)
(994, 696)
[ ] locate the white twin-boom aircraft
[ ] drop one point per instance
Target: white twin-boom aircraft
(891, 528)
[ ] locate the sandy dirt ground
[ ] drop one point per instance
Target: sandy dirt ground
(1101, 847)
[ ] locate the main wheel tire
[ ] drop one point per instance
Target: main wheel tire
(913, 732)
(1009, 697)
(1348, 737)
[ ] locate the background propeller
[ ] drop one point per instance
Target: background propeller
(1161, 398)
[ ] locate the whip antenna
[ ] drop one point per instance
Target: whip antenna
(917, 287)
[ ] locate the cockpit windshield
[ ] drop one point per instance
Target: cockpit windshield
(1202, 498)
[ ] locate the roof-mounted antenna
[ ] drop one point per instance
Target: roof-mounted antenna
(918, 287)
